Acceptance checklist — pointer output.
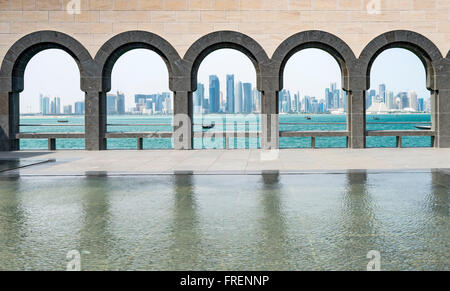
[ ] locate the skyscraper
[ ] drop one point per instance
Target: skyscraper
(214, 94)
(111, 104)
(382, 93)
(45, 106)
(68, 109)
(199, 95)
(413, 100)
(247, 88)
(79, 108)
(238, 97)
(230, 93)
(120, 103)
(420, 105)
(390, 100)
(41, 97)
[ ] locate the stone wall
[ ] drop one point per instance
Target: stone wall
(269, 22)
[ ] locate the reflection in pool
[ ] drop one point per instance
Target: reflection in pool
(224, 222)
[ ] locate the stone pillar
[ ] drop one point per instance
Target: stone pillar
(441, 122)
(9, 121)
(356, 118)
(270, 138)
(183, 117)
(95, 120)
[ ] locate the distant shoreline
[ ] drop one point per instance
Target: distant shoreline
(25, 116)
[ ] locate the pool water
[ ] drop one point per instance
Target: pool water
(227, 222)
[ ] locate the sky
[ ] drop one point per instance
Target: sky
(54, 73)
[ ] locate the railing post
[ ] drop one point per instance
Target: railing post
(140, 143)
(313, 142)
(51, 144)
(398, 141)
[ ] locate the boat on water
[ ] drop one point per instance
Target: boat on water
(376, 118)
(63, 121)
(308, 117)
(208, 126)
(423, 127)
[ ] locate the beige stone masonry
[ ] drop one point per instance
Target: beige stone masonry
(182, 22)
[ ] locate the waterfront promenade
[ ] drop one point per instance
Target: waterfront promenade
(228, 161)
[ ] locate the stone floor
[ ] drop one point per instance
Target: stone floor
(228, 161)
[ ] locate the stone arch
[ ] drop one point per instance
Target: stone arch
(118, 45)
(18, 56)
(330, 43)
(418, 44)
(220, 40)
(13, 69)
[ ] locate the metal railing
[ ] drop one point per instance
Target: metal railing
(140, 136)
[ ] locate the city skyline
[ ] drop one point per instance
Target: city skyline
(143, 71)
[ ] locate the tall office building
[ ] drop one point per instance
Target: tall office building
(404, 100)
(120, 103)
(247, 89)
(214, 94)
(79, 108)
(382, 93)
(199, 95)
(230, 94)
(420, 105)
(238, 97)
(256, 100)
(413, 100)
(111, 104)
(67, 109)
(45, 106)
(41, 97)
(329, 98)
(390, 100)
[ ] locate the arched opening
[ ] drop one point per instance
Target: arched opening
(227, 103)
(140, 102)
(312, 100)
(52, 101)
(398, 99)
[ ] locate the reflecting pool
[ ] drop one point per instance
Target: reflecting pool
(227, 222)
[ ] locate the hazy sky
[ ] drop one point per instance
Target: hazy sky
(54, 73)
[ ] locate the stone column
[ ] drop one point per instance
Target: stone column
(356, 118)
(441, 122)
(95, 120)
(270, 138)
(440, 103)
(9, 121)
(183, 138)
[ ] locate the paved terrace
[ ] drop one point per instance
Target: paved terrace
(228, 161)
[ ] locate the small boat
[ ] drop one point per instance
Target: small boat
(63, 121)
(423, 127)
(208, 126)
(308, 117)
(376, 118)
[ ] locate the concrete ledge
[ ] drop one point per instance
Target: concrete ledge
(50, 135)
(401, 133)
(313, 133)
(139, 135)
